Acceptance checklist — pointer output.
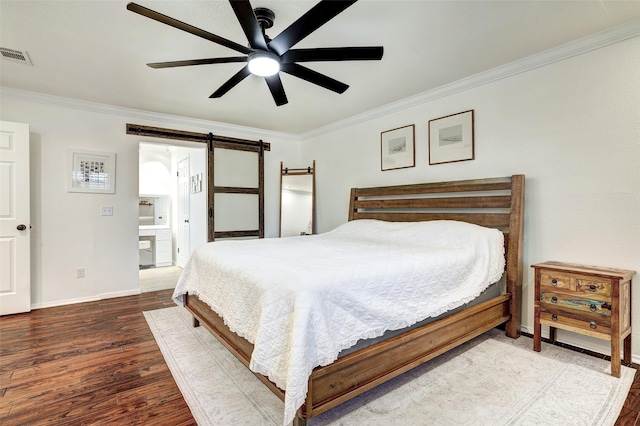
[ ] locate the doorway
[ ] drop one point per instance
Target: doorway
(174, 219)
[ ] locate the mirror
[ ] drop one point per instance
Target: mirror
(297, 200)
(153, 210)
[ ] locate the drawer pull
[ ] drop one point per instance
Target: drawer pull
(593, 325)
(554, 317)
(593, 307)
(554, 299)
(554, 282)
(592, 287)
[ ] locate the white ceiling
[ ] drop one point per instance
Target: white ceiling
(97, 51)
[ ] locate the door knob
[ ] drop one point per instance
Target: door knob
(21, 227)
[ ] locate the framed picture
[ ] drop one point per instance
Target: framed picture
(451, 138)
(91, 171)
(196, 183)
(397, 148)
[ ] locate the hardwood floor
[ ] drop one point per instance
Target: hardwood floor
(98, 363)
(630, 413)
(89, 363)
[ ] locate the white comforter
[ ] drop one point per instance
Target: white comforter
(301, 300)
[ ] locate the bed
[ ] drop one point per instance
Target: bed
(494, 203)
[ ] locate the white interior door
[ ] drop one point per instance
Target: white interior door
(183, 213)
(15, 247)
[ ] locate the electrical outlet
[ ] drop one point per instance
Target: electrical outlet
(107, 210)
(80, 273)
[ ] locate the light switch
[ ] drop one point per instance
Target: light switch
(107, 210)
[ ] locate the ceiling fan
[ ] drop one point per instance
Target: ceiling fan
(266, 57)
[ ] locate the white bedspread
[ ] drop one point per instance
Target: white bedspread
(301, 300)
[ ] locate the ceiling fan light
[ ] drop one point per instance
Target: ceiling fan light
(264, 64)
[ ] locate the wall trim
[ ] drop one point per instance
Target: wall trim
(136, 114)
(95, 298)
(586, 44)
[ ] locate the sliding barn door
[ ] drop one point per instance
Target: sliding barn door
(235, 181)
(236, 203)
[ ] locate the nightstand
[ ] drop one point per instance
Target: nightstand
(589, 300)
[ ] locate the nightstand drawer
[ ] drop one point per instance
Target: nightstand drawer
(553, 280)
(571, 302)
(597, 327)
(556, 280)
(592, 285)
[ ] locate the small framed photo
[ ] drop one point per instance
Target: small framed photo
(451, 138)
(90, 171)
(398, 148)
(196, 183)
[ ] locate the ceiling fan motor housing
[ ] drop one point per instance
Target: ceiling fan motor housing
(265, 17)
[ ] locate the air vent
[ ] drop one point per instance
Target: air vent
(15, 56)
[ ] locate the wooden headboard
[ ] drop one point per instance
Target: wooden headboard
(493, 202)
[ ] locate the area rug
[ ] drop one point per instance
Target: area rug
(490, 380)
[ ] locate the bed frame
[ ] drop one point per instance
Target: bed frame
(494, 202)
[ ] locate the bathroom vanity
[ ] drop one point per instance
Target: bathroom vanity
(161, 245)
(155, 234)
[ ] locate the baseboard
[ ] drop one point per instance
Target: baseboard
(86, 299)
(63, 302)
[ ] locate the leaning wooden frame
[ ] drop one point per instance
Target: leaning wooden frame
(493, 202)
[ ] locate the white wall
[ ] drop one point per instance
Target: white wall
(68, 230)
(154, 170)
(572, 127)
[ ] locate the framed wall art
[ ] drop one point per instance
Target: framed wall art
(451, 138)
(90, 171)
(196, 183)
(397, 148)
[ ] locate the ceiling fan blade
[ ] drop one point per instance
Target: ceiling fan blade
(249, 24)
(231, 83)
(334, 54)
(317, 16)
(190, 62)
(277, 90)
(141, 10)
(314, 77)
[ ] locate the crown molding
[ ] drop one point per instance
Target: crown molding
(587, 44)
(133, 114)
